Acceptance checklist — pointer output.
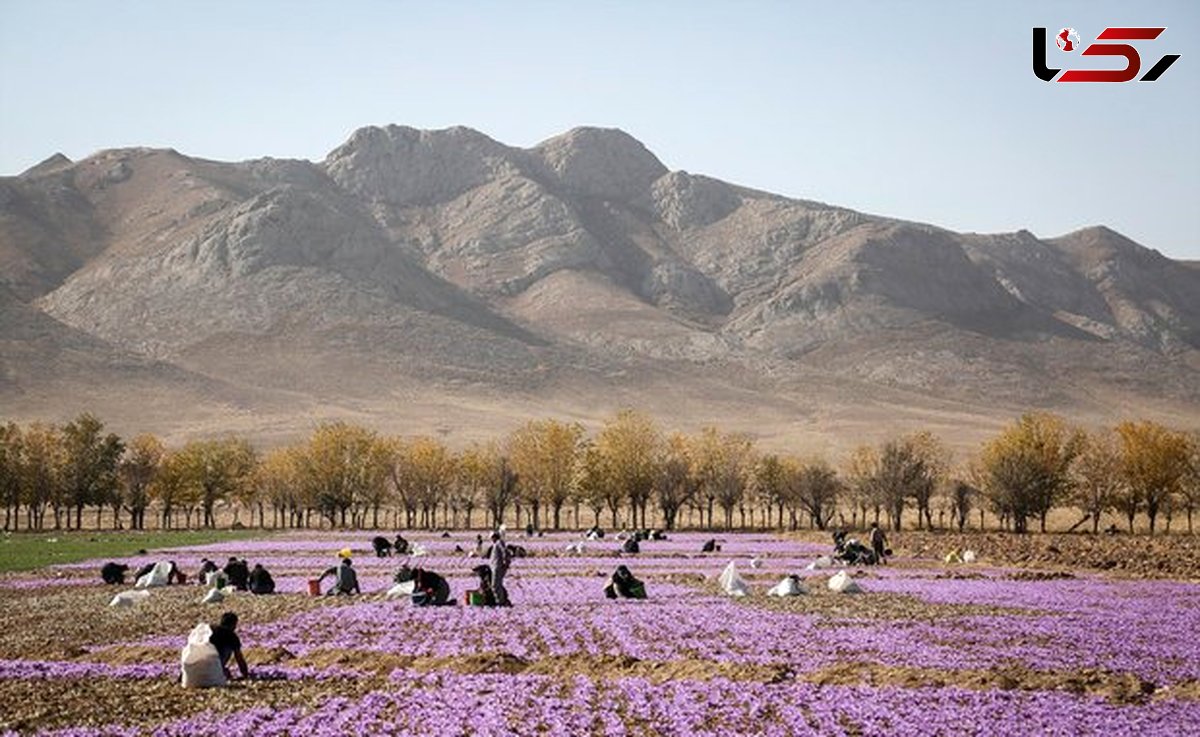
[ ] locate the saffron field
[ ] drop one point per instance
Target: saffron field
(927, 648)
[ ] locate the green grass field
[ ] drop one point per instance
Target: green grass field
(23, 551)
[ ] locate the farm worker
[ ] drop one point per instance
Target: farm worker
(499, 561)
(238, 573)
(401, 545)
(631, 546)
(347, 579)
(485, 584)
(429, 589)
(383, 546)
(710, 547)
(206, 567)
(261, 581)
(479, 546)
(624, 585)
(113, 573)
(228, 644)
(878, 542)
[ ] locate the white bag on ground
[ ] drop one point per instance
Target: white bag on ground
(200, 663)
(732, 582)
(969, 556)
(214, 596)
(160, 575)
(401, 590)
(820, 563)
(789, 586)
(843, 584)
(127, 599)
(417, 550)
(575, 548)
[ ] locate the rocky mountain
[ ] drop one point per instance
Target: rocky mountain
(444, 281)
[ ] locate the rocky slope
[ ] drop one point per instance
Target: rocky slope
(443, 280)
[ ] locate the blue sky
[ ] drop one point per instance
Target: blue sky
(921, 110)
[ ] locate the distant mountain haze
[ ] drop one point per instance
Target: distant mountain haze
(443, 282)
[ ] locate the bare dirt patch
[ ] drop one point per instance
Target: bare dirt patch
(51, 624)
(1118, 688)
(1131, 556)
(869, 605)
(37, 704)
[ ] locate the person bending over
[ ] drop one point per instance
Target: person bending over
(624, 585)
(225, 639)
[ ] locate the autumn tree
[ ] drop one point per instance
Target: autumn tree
(90, 470)
(479, 471)
(676, 484)
(1098, 478)
(815, 488)
(544, 454)
(1027, 468)
(431, 467)
(211, 471)
(139, 465)
(276, 481)
(343, 467)
(722, 463)
(594, 484)
(770, 482)
(859, 470)
(10, 473)
(1155, 463)
(630, 446)
(961, 496)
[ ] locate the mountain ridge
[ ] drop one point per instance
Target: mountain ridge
(450, 263)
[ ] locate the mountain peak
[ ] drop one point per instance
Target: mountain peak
(408, 166)
(601, 162)
(50, 164)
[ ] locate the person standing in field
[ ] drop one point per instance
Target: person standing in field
(878, 542)
(499, 560)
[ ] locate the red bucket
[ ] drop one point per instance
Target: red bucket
(314, 587)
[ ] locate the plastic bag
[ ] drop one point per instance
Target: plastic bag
(160, 575)
(843, 584)
(789, 586)
(127, 599)
(820, 563)
(732, 582)
(401, 590)
(969, 556)
(199, 661)
(215, 596)
(418, 550)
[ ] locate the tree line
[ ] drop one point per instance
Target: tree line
(629, 473)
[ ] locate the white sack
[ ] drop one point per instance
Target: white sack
(160, 575)
(789, 586)
(969, 556)
(127, 599)
(200, 663)
(820, 563)
(732, 582)
(401, 590)
(215, 596)
(843, 584)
